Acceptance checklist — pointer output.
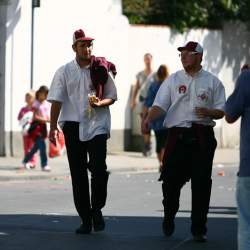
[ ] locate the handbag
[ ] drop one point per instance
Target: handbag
(58, 149)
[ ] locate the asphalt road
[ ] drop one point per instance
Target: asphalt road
(40, 214)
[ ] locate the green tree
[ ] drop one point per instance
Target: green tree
(183, 14)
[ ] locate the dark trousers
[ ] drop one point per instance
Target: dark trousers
(83, 156)
(190, 157)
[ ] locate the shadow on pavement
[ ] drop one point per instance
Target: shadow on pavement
(56, 232)
(216, 210)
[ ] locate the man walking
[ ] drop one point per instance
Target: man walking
(81, 92)
(238, 105)
(191, 99)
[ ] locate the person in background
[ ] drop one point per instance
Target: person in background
(81, 93)
(157, 125)
(143, 80)
(25, 116)
(191, 100)
(238, 105)
(38, 128)
(245, 67)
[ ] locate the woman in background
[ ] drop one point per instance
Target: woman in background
(157, 125)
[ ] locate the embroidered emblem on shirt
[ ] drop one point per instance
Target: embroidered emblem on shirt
(203, 97)
(182, 89)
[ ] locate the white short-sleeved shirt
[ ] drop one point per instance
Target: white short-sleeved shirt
(180, 93)
(70, 86)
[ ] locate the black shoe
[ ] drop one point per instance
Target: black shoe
(168, 227)
(98, 221)
(84, 229)
(199, 237)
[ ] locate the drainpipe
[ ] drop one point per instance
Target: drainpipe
(3, 18)
(35, 4)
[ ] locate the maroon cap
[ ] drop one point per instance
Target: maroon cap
(79, 35)
(192, 46)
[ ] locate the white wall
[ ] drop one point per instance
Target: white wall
(17, 80)
(235, 52)
(121, 43)
(162, 42)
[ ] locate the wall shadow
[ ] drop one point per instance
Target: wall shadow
(10, 14)
(212, 48)
(235, 46)
(14, 15)
(31, 231)
(132, 141)
(127, 135)
(213, 210)
(227, 47)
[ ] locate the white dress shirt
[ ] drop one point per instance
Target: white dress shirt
(181, 93)
(70, 86)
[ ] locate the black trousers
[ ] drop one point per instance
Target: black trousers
(83, 157)
(191, 157)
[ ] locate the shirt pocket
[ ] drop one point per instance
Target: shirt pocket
(73, 87)
(203, 97)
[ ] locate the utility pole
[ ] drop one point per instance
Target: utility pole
(35, 4)
(3, 20)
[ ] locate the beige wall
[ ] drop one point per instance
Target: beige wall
(120, 42)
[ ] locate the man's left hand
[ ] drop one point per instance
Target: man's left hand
(94, 101)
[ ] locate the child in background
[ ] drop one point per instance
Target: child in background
(38, 128)
(25, 116)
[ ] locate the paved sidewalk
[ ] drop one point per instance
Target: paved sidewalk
(116, 161)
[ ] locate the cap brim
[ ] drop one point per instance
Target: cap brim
(184, 48)
(85, 39)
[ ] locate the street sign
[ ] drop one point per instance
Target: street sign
(35, 3)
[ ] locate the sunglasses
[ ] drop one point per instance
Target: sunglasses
(188, 53)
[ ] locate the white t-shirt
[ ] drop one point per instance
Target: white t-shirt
(71, 86)
(144, 82)
(180, 93)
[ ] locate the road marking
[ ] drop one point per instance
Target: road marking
(180, 244)
(3, 233)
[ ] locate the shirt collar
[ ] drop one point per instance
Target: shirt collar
(78, 66)
(196, 75)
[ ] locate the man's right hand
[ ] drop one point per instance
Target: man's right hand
(54, 135)
(145, 126)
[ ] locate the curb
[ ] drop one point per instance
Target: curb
(62, 176)
(27, 177)
(118, 162)
(32, 177)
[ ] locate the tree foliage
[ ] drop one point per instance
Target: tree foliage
(183, 14)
